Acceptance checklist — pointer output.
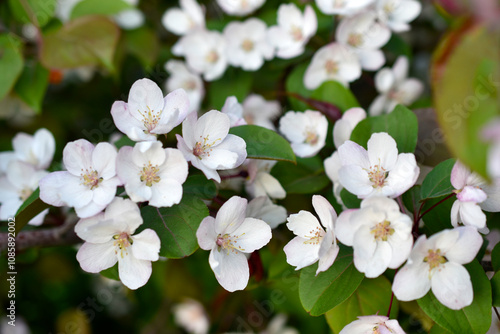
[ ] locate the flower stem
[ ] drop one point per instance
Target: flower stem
(496, 312)
(390, 305)
(243, 174)
(432, 207)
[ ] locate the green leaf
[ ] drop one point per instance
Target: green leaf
(350, 200)
(263, 143)
(337, 94)
(234, 82)
(143, 43)
(495, 289)
(373, 296)
(99, 7)
(437, 183)
(89, 40)
(398, 46)
(321, 293)
(401, 124)
(495, 257)
(32, 85)
(439, 217)
(11, 62)
(111, 273)
(412, 197)
(295, 84)
(37, 12)
(473, 319)
(31, 207)
(176, 226)
(200, 186)
(307, 177)
(124, 141)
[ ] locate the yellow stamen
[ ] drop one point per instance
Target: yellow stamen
(315, 237)
(229, 242)
(91, 178)
(203, 147)
(122, 242)
(434, 258)
(331, 67)
(247, 45)
(382, 231)
(148, 174)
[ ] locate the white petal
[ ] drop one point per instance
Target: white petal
(94, 258)
(230, 269)
(96, 229)
(125, 214)
(376, 264)
(104, 159)
(471, 214)
(175, 110)
(252, 234)
(403, 175)
(145, 96)
(133, 272)
(230, 215)
(344, 228)
(301, 253)
(267, 185)
(128, 124)
(77, 156)
(146, 245)
(412, 282)
(165, 193)
(452, 286)
(303, 224)
(206, 234)
(382, 150)
(355, 179)
(467, 245)
(327, 260)
(472, 194)
(378, 105)
(176, 21)
(351, 153)
(213, 125)
(371, 60)
(384, 80)
(325, 211)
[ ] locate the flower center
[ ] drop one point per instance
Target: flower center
(190, 85)
(150, 118)
(355, 40)
(331, 67)
(316, 236)
(228, 242)
(212, 57)
(297, 34)
(148, 174)
(91, 179)
(122, 242)
(311, 137)
(203, 146)
(382, 231)
(247, 45)
(377, 175)
(389, 7)
(434, 258)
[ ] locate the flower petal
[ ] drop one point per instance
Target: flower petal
(94, 258)
(301, 253)
(230, 269)
(206, 234)
(230, 215)
(133, 272)
(304, 224)
(452, 286)
(412, 282)
(252, 234)
(146, 245)
(382, 150)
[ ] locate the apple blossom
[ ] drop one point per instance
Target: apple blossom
(373, 324)
(109, 239)
(240, 7)
(263, 208)
(333, 61)
(37, 150)
(228, 237)
(234, 110)
(90, 182)
(293, 31)
(395, 88)
(182, 77)
(379, 234)
(342, 7)
(396, 14)
(206, 143)
(260, 182)
(247, 44)
(332, 166)
(313, 243)
(343, 127)
(436, 263)
(380, 170)
(147, 113)
(131, 18)
(306, 131)
(191, 316)
(205, 53)
(258, 111)
(151, 173)
(181, 21)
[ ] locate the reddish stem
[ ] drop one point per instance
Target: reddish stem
(432, 207)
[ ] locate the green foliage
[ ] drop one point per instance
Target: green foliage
(99, 7)
(32, 85)
(495, 289)
(337, 94)
(224, 87)
(439, 217)
(350, 200)
(437, 183)
(111, 273)
(495, 257)
(143, 43)
(473, 319)
(11, 62)
(31, 207)
(306, 177)
(295, 84)
(37, 12)
(401, 124)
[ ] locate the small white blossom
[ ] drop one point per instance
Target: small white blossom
(373, 324)
(147, 113)
(395, 88)
(436, 263)
(258, 111)
(293, 31)
(109, 239)
(240, 7)
(380, 170)
(131, 18)
(260, 182)
(90, 182)
(332, 166)
(342, 7)
(151, 173)
(313, 243)
(206, 143)
(305, 130)
(182, 77)
(183, 20)
(37, 150)
(234, 110)
(345, 125)
(191, 316)
(263, 208)
(396, 14)
(228, 237)
(379, 234)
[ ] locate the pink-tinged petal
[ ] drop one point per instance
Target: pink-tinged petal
(77, 156)
(472, 194)
(344, 229)
(126, 123)
(459, 175)
(412, 282)
(146, 245)
(384, 80)
(452, 286)
(213, 125)
(304, 224)
(252, 234)
(325, 211)
(230, 215)
(174, 112)
(382, 151)
(209, 173)
(133, 272)
(73, 192)
(96, 229)
(166, 193)
(394, 327)
(230, 269)
(185, 150)
(467, 245)
(301, 253)
(104, 160)
(351, 153)
(470, 213)
(355, 179)
(94, 258)
(206, 234)
(326, 261)
(403, 175)
(378, 263)
(357, 326)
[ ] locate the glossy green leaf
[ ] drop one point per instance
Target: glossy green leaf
(307, 177)
(31, 207)
(11, 62)
(176, 226)
(89, 40)
(111, 273)
(350, 200)
(437, 183)
(337, 94)
(373, 296)
(495, 289)
(37, 12)
(99, 7)
(295, 84)
(321, 293)
(495, 257)
(32, 85)
(200, 186)
(263, 143)
(401, 124)
(234, 82)
(473, 319)
(412, 197)
(124, 141)
(439, 217)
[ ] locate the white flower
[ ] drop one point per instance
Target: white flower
(109, 239)
(181, 21)
(37, 150)
(333, 61)
(313, 243)
(206, 143)
(191, 316)
(474, 194)
(293, 31)
(364, 36)
(19, 182)
(130, 18)
(436, 263)
(379, 234)
(90, 182)
(395, 88)
(205, 53)
(305, 130)
(332, 166)
(228, 237)
(258, 111)
(396, 14)
(247, 44)
(240, 7)
(147, 113)
(378, 171)
(277, 326)
(373, 324)
(343, 127)
(182, 77)
(151, 173)
(342, 7)
(260, 182)
(234, 110)
(263, 208)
